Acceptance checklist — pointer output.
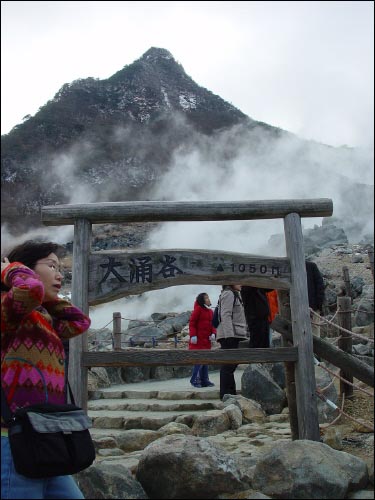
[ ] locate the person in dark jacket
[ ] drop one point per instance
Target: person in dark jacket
(257, 314)
(315, 289)
(201, 334)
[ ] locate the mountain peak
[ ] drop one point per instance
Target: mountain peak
(154, 54)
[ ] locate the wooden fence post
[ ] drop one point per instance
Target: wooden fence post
(116, 331)
(290, 383)
(344, 320)
(370, 253)
(308, 422)
(346, 278)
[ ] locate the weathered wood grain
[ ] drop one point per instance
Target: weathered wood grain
(290, 381)
(116, 274)
(163, 357)
(81, 251)
(148, 211)
(308, 423)
(345, 343)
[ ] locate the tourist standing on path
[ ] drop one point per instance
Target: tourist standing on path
(34, 320)
(232, 328)
(201, 334)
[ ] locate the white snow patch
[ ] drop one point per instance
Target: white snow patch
(188, 101)
(166, 99)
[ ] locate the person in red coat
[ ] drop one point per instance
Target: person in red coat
(201, 334)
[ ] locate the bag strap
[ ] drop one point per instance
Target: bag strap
(5, 410)
(219, 304)
(36, 368)
(70, 393)
(8, 415)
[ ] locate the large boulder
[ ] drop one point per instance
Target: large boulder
(97, 378)
(178, 466)
(109, 481)
(175, 324)
(308, 469)
(212, 422)
(139, 335)
(131, 374)
(365, 310)
(251, 410)
(257, 384)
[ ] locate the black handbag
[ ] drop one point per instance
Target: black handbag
(49, 440)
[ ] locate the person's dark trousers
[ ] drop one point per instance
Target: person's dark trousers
(227, 380)
(203, 372)
(259, 333)
(195, 375)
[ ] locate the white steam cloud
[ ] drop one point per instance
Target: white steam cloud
(229, 166)
(256, 172)
(60, 235)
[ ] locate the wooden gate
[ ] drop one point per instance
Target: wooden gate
(100, 277)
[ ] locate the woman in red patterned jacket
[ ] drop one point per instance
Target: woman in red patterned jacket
(201, 333)
(34, 321)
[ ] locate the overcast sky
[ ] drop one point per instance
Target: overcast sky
(306, 67)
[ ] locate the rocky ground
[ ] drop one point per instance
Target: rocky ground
(361, 408)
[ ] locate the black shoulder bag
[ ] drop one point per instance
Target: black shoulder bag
(49, 440)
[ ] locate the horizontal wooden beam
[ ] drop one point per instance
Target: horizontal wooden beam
(116, 273)
(157, 211)
(337, 357)
(164, 357)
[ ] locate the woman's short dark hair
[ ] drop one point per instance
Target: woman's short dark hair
(200, 299)
(29, 252)
(226, 287)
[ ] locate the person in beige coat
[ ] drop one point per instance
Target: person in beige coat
(231, 330)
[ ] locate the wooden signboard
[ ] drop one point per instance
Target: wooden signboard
(117, 274)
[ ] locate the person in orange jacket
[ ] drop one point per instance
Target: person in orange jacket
(260, 306)
(273, 303)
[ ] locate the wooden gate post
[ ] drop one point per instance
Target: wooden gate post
(290, 383)
(308, 423)
(81, 250)
(344, 319)
(116, 331)
(346, 278)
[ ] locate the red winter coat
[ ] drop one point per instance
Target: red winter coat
(200, 325)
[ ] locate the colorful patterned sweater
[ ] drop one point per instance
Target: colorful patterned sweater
(32, 353)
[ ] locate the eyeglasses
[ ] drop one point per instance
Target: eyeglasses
(52, 265)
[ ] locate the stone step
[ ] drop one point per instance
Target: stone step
(125, 419)
(142, 405)
(115, 392)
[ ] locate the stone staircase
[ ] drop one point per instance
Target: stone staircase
(147, 410)
(127, 418)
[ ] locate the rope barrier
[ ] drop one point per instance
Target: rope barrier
(335, 407)
(370, 339)
(341, 378)
(106, 325)
(142, 320)
(340, 412)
